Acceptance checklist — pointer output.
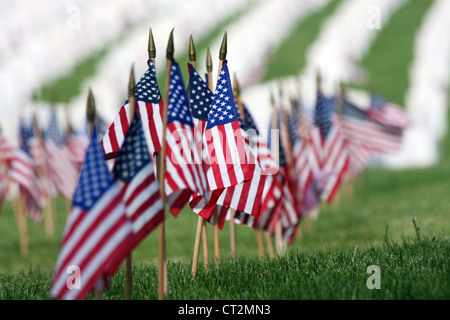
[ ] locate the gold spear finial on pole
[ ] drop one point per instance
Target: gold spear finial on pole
(236, 88)
(209, 64)
(131, 83)
(151, 45)
(90, 111)
(170, 48)
(192, 55)
(223, 48)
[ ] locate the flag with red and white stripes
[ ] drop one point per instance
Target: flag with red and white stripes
(200, 98)
(97, 234)
(23, 171)
(135, 177)
(328, 142)
(184, 172)
(387, 113)
(225, 154)
(359, 127)
(149, 106)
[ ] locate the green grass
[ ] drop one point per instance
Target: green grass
(414, 269)
(289, 58)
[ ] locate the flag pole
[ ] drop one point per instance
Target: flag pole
(237, 96)
(209, 67)
(132, 111)
(201, 224)
(222, 57)
(91, 118)
(163, 282)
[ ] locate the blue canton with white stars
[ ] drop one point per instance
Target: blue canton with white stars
(323, 113)
(377, 101)
(199, 95)
(25, 134)
(223, 108)
(350, 110)
(53, 132)
(134, 154)
(293, 128)
(178, 109)
(249, 119)
(147, 89)
(95, 177)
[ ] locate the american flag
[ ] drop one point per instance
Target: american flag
(200, 98)
(271, 190)
(358, 126)
(387, 113)
(98, 232)
(226, 156)
(246, 196)
(149, 106)
(289, 210)
(134, 175)
(329, 143)
(302, 169)
(23, 171)
(184, 173)
(62, 169)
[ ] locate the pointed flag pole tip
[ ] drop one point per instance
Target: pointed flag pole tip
(192, 55)
(223, 48)
(170, 48)
(132, 83)
(236, 88)
(151, 45)
(209, 64)
(90, 110)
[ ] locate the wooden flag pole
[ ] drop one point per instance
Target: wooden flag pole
(269, 245)
(91, 118)
(209, 67)
(201, 225)
(237, 96)
(163, 283)
(132, 111)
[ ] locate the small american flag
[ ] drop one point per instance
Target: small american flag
(149, 106)
(134, 175)
(387, 113)
(359, 127)
(98, 232)
(328, 139)
(23, 171)
(184, 173)
(62, 168)
(200, 98)
(226, 156)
